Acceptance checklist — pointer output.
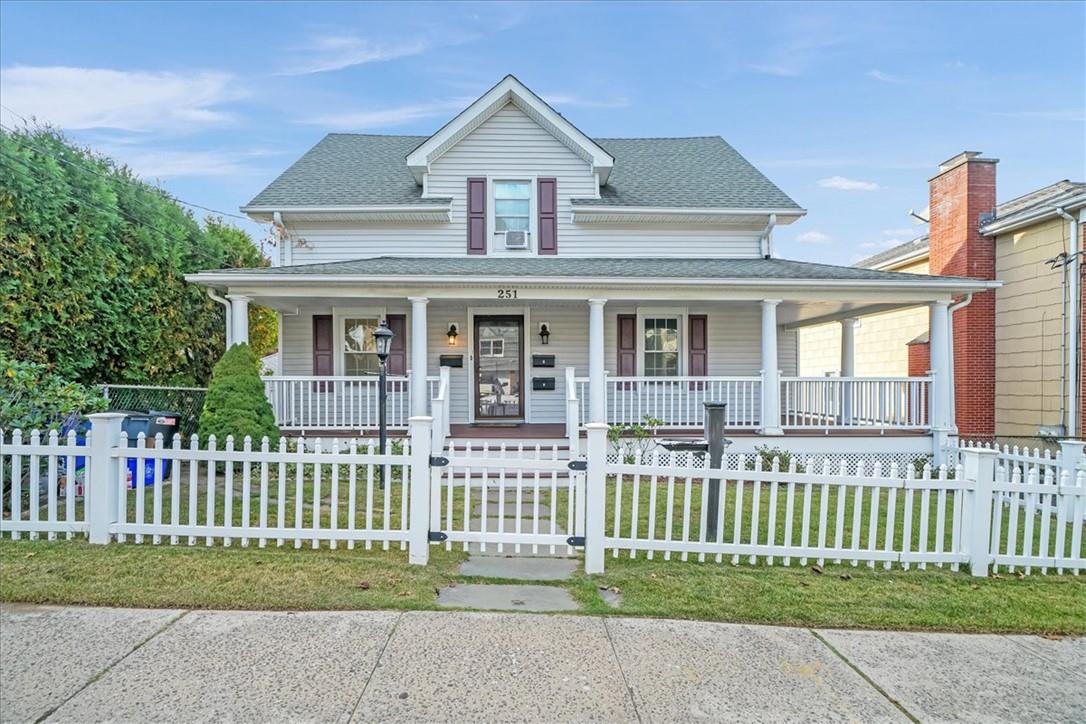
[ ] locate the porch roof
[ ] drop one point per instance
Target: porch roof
(559, 269)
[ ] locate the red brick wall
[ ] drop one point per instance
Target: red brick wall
(919, 358)
(959, 195)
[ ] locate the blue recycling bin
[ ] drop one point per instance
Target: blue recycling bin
(150, 423)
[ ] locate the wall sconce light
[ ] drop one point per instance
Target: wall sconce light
(453, 333)
(545, 333)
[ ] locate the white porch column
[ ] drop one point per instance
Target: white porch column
(239, 318)
(419, 403)
(771, 376)
(848, 365)
(597, 388)
(942, 422)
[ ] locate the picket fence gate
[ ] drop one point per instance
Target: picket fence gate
(986, 508)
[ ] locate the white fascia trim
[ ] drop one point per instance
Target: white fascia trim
(419, 160)
(402, 208)
(1048, 210)
(784, 216)
(954, 285)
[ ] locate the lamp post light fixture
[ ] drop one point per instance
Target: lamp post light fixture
(382, 338)
(545, 333)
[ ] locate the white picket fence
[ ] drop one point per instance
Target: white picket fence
(988, 508)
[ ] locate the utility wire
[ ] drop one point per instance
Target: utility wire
(82, 167)
(81, 199)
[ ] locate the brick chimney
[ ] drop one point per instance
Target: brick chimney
(961, 194)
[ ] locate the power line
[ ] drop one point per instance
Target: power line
(72, 197)
(97, 173)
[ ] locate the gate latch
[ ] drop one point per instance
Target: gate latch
(437, 536)
(578, 465)
(438, 461)
(575, 540)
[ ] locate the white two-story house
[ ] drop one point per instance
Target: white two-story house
(547, 279)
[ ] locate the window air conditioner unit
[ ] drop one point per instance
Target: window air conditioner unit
(516, 240)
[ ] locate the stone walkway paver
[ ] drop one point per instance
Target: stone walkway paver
(89, 665)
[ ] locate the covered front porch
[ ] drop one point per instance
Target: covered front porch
(549, 350)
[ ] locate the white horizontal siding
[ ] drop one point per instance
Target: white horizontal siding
(734, 345)
(511, 144)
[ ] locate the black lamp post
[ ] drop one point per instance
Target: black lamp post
(382, 337)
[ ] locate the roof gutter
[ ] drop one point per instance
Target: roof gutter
(1012, 222)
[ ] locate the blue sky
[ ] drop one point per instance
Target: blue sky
(848, 107)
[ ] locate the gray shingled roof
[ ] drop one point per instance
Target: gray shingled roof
(876, 260)
(702, 172)
(347, 169)
(558, 267)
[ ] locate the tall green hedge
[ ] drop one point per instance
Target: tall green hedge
(235, 403)
(92, 265)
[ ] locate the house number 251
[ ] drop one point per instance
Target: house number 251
(507, 294)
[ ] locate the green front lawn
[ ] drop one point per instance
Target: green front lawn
(75, 572)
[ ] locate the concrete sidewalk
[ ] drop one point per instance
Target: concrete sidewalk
(85, 664)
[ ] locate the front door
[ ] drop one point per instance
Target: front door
(499, 377)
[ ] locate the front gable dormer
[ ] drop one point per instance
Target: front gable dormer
(509, 91)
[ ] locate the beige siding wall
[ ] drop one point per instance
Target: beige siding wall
(1029, 351)
(880, 340)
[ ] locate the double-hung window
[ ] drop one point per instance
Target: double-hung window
(661, 346)
(512, 205)
(359, 346)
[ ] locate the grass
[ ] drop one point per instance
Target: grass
(75, 572)
(288, 578)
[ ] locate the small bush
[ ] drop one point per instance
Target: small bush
(235, 403)
(32, 397)
(768, 454)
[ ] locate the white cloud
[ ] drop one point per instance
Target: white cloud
(882, 243)
(781, 71)
(334, 52)
(898, 232)
(878, 75)
(567, 99)
(387, 117)
(81, 98)
(814, 237)
(151, 164)
(847, 184)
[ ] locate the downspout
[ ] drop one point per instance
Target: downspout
(764, 237)
(1072, 312)
(226, 304)
(950, 346)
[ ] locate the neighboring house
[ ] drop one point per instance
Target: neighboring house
(1018, 367)
(561, 279)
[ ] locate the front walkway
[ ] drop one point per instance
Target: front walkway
(84, 664)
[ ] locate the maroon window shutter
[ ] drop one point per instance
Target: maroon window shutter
(627, 345)
(477, 216)
(397, 355)
(323, 347)
(548, 215)
(699, 347)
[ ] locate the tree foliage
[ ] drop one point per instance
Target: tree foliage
(92, 268)
(235, 403)
(32, 398)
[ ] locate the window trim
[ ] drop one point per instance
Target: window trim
(677, 313)
(339, 314)
(496, 239)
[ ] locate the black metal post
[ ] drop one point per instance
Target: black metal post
(714, 436)
(382, 401)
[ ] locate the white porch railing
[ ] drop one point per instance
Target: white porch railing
(307, 403)
(855, 402)
(677, 401)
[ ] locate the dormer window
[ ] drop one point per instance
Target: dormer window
(512, 206)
